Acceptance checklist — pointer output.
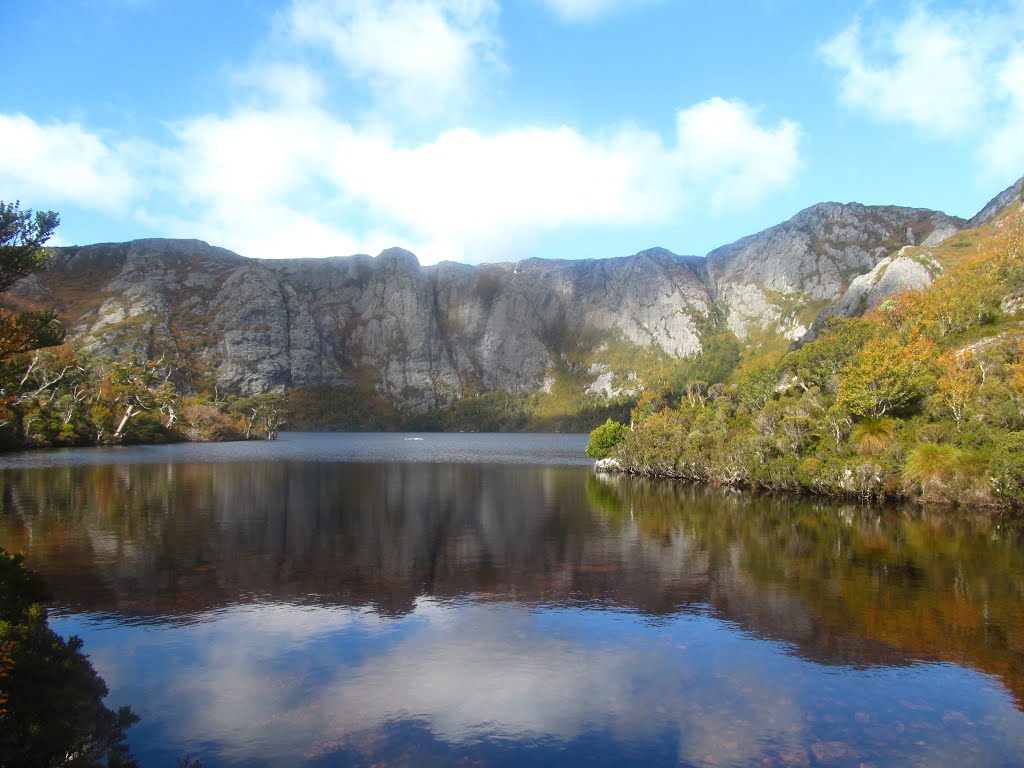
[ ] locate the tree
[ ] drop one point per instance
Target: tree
(51, 698)
(604, 439)
(757, 386)
(1006, 472)
(132, 388)
(22, 237)
(957, 383)
(887, 374)
(261, 415)
(822, 361)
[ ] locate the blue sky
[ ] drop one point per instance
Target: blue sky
(484, 130)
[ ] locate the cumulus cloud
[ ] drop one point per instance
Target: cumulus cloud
(297, 181)
(468, 195)
(955, 75)
(730, 157)
(64, 162)
(422, 56)
(588, 10)
(925, 72)
(1005, 146)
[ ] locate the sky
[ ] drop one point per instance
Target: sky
(497, 130)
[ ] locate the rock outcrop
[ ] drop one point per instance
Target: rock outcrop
(419, 334)
(911, 268)
(771, 280)
(892, 276)
(1012, 194)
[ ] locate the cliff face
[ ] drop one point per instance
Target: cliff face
(425, 335)
(422, 334)
(773, 279)
(916, 265)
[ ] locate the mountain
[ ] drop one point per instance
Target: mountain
(915, 266)
(774, 278)
(426, 336)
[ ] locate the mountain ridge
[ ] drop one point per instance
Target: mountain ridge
(427, 336)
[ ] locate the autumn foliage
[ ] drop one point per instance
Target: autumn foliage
(923, 397)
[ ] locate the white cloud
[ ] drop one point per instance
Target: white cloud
(294, 180)
(63, 162)
(927, 73)
(953, 75)
(479, 670)
(282, 83)
(588, 10)
(731, 157)
(257, 177)
(1005, 147)
(422, 56)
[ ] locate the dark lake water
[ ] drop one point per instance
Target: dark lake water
(486, 600)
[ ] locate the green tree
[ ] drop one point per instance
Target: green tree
(22, 237)
(822, 361)
(604, 439)
(133, 389)
(262, 416)
(1006, 472)
(51, 698)
(757, 386)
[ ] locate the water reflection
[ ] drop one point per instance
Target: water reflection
(484, 681)
(410, 613)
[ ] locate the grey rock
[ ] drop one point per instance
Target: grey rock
(892, 276)
(419, 334)
(999, 203)
(770, 279)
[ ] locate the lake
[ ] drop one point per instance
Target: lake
(348, 599)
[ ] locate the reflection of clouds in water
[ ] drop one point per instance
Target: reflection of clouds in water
(271, 683)
(285, 680)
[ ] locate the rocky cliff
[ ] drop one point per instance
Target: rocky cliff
(425, 336)
(915, 265)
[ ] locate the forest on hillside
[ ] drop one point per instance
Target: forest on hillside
(922, 397)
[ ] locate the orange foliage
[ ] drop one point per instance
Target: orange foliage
(957, 382)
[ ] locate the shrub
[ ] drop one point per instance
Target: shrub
(1006, 471)
(873, 436)
(930, 464)
(51, 699)
(604, 439)
(948, 474)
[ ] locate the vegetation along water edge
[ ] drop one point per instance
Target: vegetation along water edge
(921, 397)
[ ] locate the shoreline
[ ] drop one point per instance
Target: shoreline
(611, 466)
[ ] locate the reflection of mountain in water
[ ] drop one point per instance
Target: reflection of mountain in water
(842, 585)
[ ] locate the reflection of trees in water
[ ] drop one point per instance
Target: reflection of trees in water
(876, 583)
(843, 584)
(174, 538)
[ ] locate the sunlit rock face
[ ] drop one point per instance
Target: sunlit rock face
(910, 268)
(892, 276)
(770, 280)
(1010, 196)
(423, 336)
